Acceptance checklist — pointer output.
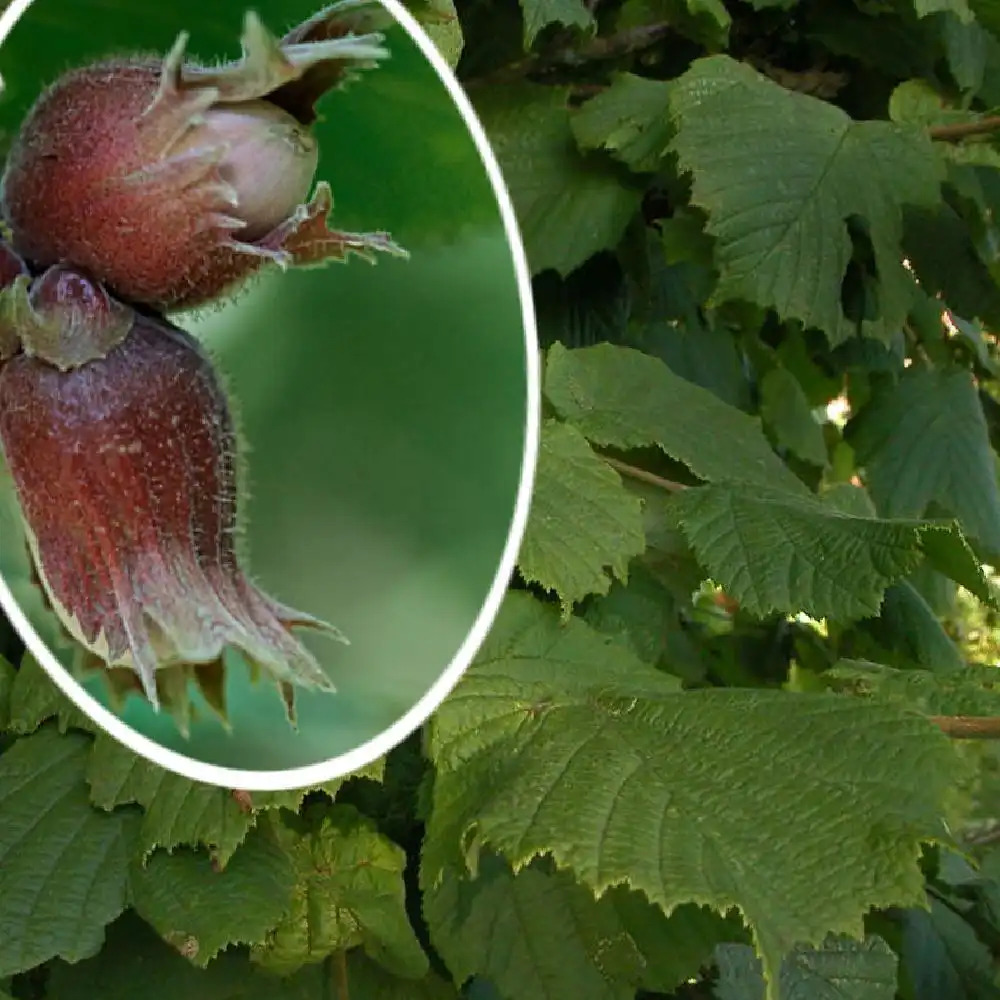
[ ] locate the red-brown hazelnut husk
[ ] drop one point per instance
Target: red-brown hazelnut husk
(136, 187)
(174, 182)
(124, 457)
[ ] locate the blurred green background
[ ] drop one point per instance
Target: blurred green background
(384, 406)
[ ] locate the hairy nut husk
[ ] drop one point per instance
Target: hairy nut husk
(123, 453)
(172, 183)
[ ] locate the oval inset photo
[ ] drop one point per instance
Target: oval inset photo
(268, 400)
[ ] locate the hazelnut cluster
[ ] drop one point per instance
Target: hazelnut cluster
(135, 188)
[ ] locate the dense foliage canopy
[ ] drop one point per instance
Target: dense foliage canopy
(713, 746)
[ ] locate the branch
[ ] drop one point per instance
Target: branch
(961, 130)
(623, 43)
(968, 727)
(643, 476)
(988, 836)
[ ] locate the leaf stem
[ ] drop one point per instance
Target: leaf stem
(968, 727)
(960, 130)
(339, 966)
(243, 799)
(643, 476)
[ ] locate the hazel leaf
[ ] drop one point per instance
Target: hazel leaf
(841, 969)
(200, 910)
(568, 205)
(538, 934)
(799, 182)
(630, 119)
(590, 758)
(34, 698)
(925, 441)
(348, 891)
(623, 398)
(180, 812)
(584, 526)
(136, 961)
(63, 863)
(539, 14)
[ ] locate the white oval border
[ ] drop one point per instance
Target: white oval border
(379, 746)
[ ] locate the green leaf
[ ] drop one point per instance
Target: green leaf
(669, 319)
(348, 891)
(178, 811)
(959, 8)
(669, 557)
(840, 970)
(919, 102)
(973, 334)
(893, 42)
(629, 119)
(648, 616)
(568, 205)
(534, 935)
(34, 698)
(973, 691)
(539, 14)
(807, 359)
(941, 250)
(535, 640)
(539, 934)
(439, 20)
(587, 756)
(786, 411)
(584, 526)
(938, 591)
(988, 14)
(674, 948)
(623, 398)
(7, 677)
(949, 553)
(369, 981)
(706, 22)
(850, 499)
(137, 962)
(589, 306)
(908, 627)
(774, 552)
(63, 864)
(714, 9)
(705, 354)
(967, 46)
(944, 958)
(200, 910)
(796, 171)
(925, 441)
